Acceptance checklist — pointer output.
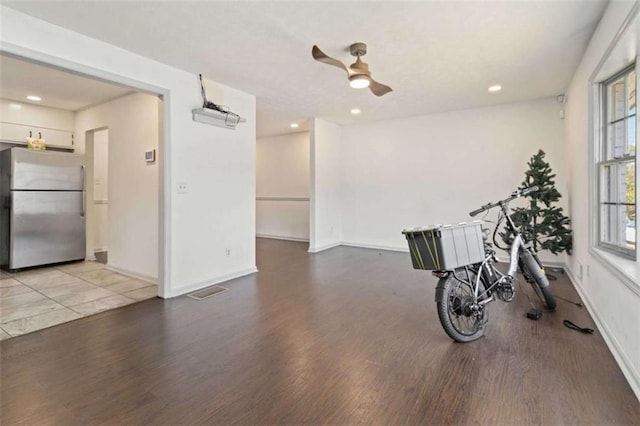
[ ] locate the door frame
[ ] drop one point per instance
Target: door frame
(164, 143)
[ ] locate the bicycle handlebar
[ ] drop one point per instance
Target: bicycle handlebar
(513, 196)
(476, 212)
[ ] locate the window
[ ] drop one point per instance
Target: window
(617, 165)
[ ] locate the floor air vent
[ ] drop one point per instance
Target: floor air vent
(207, 292)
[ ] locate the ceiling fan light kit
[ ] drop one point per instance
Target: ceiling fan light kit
(358, 73)
(359, 81)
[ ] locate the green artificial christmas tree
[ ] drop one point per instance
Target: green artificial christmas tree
(542, 223)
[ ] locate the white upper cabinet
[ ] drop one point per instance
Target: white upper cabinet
(21, 120)
(19, 133)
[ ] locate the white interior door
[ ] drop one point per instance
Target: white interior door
(101, 189)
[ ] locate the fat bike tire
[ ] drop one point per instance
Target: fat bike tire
(453, 311)
(543, 293)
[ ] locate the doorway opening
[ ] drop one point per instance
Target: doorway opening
(97, 159)
(119, 130)
(282, 186)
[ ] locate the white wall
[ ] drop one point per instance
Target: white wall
(282, 176)
(218, 164)
(326, 185)
(35, 115)
(435, 169)
(132, 218)
(613, 302)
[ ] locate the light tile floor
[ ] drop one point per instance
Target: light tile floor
(43, 297)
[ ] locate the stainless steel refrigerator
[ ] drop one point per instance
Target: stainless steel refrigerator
(42, 207)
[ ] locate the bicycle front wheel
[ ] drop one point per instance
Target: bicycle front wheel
(527, 265)
(544, 294)
(462, 319)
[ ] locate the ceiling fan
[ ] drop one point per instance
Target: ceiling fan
(358, 72)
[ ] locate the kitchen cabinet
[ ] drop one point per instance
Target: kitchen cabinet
(23, 120)
(18, 133)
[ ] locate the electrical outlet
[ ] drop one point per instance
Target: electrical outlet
(579, 271)
(587, 270)
(227, 252)
(182, 188)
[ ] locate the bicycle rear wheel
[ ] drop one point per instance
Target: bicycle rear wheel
(461, 318)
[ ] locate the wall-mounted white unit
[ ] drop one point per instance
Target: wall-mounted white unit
(217, 118)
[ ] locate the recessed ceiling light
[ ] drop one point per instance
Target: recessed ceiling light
(355, 111)
(495, 88)
(294, 125)
(34, 98)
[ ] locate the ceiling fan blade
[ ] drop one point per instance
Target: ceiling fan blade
(320, 56)
(379, 89)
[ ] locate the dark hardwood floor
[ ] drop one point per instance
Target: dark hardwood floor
(345, 336)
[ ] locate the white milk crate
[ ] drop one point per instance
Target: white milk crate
(445, 247)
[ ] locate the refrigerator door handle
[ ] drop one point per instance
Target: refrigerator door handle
(84, 191)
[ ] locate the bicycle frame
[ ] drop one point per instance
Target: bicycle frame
(518, 246)
(462, 303)
(518, 241)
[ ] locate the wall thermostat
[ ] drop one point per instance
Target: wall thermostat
(150, 156)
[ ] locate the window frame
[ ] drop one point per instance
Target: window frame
(603, 159)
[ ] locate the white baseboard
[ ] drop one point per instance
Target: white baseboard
(374, 246)
(358, 245)
(553, 264)
(279, 237)
(208, 283)
(546, 263)
(132, 274)
(323, 248)
(621, 358)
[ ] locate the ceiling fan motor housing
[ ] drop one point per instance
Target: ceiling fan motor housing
(361, 67)
(358, 49)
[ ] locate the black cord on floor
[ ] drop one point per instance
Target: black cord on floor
(572, 326)
(578, 304)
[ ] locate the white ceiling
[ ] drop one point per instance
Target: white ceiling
(58, 89)
(437, 56)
